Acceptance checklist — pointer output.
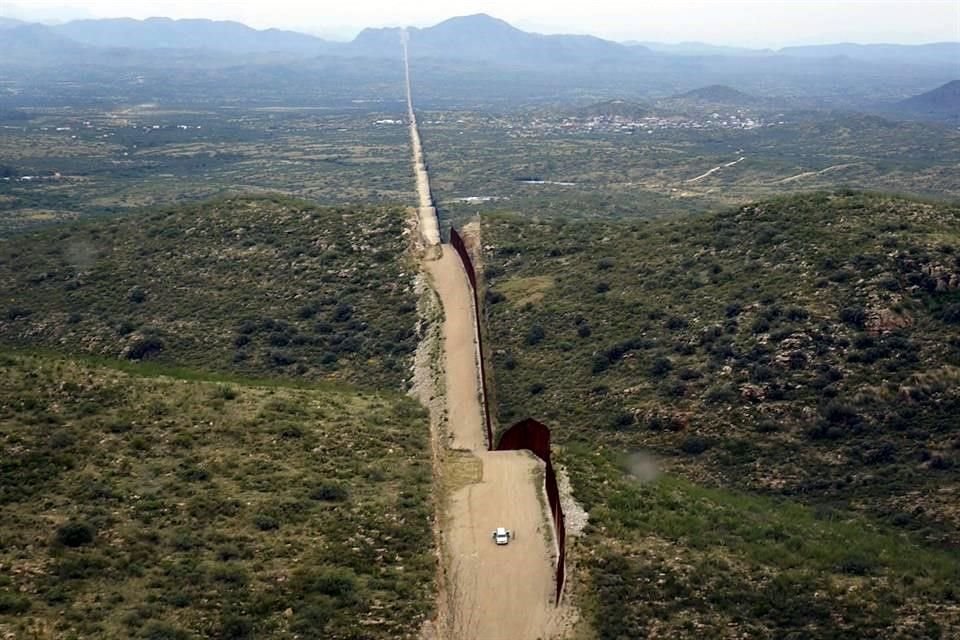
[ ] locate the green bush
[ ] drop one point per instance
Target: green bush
(694, 445)
(13, 604)
(329, 493)
(265, 522)
(75, 534)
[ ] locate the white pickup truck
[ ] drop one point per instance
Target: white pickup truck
(501, 535)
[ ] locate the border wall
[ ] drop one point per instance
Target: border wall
(526, 434)
(535, 436)
(461, 248)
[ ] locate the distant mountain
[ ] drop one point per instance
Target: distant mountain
(942, 103)
(934, 53)
(10, 23)
(35, 41)
(484, 38)
(612, 109)
(718, 94)
(698, 49)
(164, 33)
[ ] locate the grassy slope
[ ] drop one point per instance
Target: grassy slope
(259, 286)
(217, 510)
(738, 349)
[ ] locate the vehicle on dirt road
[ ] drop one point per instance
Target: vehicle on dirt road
(502, 535)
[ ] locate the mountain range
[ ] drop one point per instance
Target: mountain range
(165, 33)
(476, 37)
(482, 55)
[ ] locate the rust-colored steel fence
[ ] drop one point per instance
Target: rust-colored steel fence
(526, 434)
(535, 436)
(461, 248)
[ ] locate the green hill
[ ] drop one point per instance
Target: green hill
(254, 286)
(800, 357)
(612, 109)
(138, 507)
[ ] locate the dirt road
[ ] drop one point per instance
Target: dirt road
(496, 592)
(427, 212)
(715, 169)
(464, 411)
(493, 592)
(501, 592)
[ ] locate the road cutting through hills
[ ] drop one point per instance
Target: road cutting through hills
(493, 592)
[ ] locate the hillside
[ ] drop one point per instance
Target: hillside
(932, 53)
(792, 366)
(157, 508)
(719, 94)
(256, 286)
(612, 109)
(164, 33)
(940, 103)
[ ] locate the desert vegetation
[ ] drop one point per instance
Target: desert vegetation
(148, 506)
(566, 163)
(64, 163)
(258, 286)
(791, 365)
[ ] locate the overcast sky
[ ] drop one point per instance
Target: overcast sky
(757, 23)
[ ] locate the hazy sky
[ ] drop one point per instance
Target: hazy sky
(766, 23)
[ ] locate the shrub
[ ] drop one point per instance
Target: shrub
(332, 581)
(795, 314)
(13, 604)
(75, 534)
(676, 323)
(234, 627)
(536, 388)
(951, 313)
(689, 374)
(144, 348)
(343, 312)
(163, 631)
(661, 366)
(281, 359)
(720, 393)
(535, 335)
(839, 413)
(761, 373)
(313, 617)
(494, 297)
(767, 426)
(854, 316)
(603, 287)
(600, 363)
(137, 295)
(694, 445)
(856, 564)
(760, 325)
(15, 313)
(329, 493)
(624, 419)
(265, 522)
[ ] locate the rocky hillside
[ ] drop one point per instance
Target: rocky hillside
(800, 357)
(256, 286)
(157, 508)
